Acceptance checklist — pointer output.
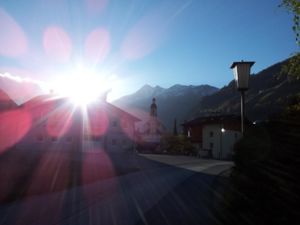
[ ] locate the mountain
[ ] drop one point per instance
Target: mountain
(145, 92)
(174, 102)
(6, 102)
(269, 93)
(19, 91)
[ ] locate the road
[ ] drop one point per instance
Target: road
(162, 190)
(206, 166)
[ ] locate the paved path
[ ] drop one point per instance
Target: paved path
(158, 193)
(207, 166)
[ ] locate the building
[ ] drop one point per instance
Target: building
(214, 136)
(48, 122)
(151, 130)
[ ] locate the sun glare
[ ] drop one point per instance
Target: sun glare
(82, 85)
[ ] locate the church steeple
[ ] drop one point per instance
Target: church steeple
(153, 108)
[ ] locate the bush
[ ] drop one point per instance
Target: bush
(177, 144)
(264, 182)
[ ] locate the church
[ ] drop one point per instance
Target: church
(152, 129)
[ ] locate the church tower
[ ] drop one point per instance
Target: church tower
(153, 129)
(153, 109)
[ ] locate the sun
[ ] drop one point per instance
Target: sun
(83, 89)
(82, 85)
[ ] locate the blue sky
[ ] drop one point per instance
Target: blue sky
(158, 42)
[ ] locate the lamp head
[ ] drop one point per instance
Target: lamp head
(241, 72)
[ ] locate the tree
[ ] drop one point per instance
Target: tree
(293, 6)
(175, 133)
(263, 185)
(293, 67)
(177, 144)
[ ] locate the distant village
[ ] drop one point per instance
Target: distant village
(51, 122)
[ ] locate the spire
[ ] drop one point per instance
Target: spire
(153, 108)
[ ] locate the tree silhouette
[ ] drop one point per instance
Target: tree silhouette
(293, 67)
(175, 133)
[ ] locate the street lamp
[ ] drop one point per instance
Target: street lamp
(241, 71)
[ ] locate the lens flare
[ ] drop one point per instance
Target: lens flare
(59, 122)
(97, 45)
(98, 122)
(96, 167)
(14, 125)
(13, 41)
(57, 44)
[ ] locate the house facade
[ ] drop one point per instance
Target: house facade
(55, 123)
(214, 136)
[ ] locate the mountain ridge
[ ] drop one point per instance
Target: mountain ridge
(173, 102)
(19, 92)
(269, 93)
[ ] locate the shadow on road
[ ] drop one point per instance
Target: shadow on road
(109, 189)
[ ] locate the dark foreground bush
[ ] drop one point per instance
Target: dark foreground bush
(264, 184)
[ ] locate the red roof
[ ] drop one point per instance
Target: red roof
(55, 100)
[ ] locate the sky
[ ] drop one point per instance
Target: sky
(124, 44)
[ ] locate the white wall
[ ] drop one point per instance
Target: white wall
(221, 143)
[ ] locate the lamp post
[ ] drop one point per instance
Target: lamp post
(241, 71)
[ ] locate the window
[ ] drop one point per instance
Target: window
(69, 139)
(211, 134)
(96, 138)
(86, 137)
(53, 139)
(211, 145)
(39, 137)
